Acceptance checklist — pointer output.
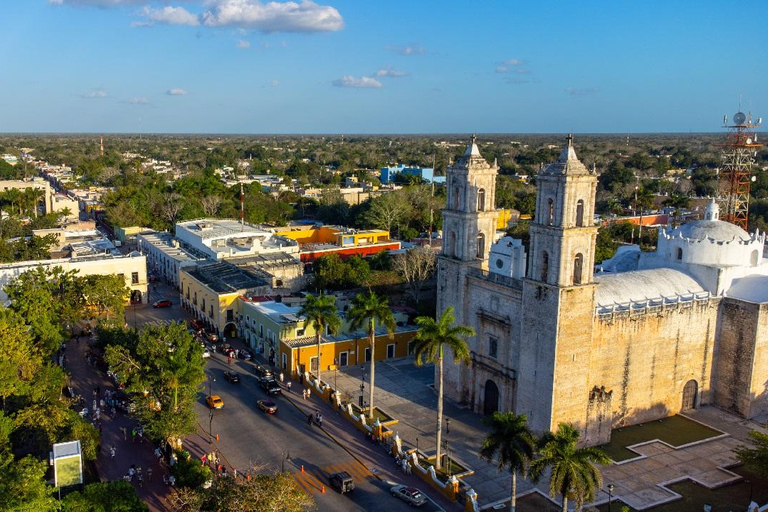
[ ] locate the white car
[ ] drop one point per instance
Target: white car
(410, 495)
(206, 353)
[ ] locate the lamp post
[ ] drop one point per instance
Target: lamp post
(362, 386)
(610, 496)
(335, 372)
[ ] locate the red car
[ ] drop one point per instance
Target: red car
(162, 304)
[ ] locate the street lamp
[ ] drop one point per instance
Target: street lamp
(211, 380)
(335, 372)
(610, 496)
(445, 443)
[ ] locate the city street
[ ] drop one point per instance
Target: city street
(250, 438)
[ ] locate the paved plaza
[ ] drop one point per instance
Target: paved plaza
(405, 391)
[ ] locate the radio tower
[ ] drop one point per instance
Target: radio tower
(736, 177)
(101, 146)
(242, 208)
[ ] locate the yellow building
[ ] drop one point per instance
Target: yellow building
(211, 290)
(288, 340)
(334, 235)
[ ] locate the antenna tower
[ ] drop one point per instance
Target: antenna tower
(738, 156)
(101, 145)
(242, 208)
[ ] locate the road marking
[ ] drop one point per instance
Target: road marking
(313, 480)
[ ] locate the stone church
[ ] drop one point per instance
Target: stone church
(645, 336)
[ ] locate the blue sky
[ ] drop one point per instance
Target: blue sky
(365, 66)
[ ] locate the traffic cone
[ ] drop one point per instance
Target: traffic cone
(217, 438)
(322, 489)
(302, 468)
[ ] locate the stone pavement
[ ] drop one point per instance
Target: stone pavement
(405, 391)
(84, 379)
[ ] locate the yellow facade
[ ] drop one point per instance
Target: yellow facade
(298, 355)
(331, 235)
(217, 309)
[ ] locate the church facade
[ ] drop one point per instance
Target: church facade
(651, 335)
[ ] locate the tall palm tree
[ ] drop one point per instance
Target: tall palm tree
(431, 340)
(574, 471)
(320, 311)
(514, 443)
(367, 309)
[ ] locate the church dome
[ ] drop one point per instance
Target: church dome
(715, 230)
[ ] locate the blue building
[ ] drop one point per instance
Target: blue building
(425, 173)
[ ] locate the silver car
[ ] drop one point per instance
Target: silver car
(410, 495)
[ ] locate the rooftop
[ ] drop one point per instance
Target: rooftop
(307, 341)
(208, 229)
(224, 277)
(656, 286)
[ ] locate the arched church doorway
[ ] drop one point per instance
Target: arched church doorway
(690, 391)
(491, 398)
(230, 331)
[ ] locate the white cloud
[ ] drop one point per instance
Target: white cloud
(411, 49)
(141, 24)
(364, 82)
(243, 44)
(170, 15)
(512, 62)
(95, 93)
(138, 100)
(274, 83)
(265, 45)
(306, 16)
(502, 69)
(390, 72)
(176, 91)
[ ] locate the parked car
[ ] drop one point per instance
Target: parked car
(244, 354)
(270, 385)
(263, 371)
(267, 405)
(342, 482)
(232, 377)
(206, 353)
(197, 325)
(214, 401)
(162, 304)
(212, 337)
(225, 348)
(410, 495)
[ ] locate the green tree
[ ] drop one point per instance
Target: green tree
(164, 364)
(756, 457)
(511, 443)
(320, 311)
(431, 341)
(574, 474)
(116, 496)
(368, 309)
(23, 487)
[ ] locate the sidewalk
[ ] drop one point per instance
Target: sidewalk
(85, 379)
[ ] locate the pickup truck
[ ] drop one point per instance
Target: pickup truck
(270, 385)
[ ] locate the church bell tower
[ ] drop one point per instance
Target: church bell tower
(559, 296)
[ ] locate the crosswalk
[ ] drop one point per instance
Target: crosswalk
(313, 480)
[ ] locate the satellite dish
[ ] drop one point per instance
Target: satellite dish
(754, 179)
(739, 118)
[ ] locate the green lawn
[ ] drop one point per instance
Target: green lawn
(378, 414)
(723, 499)
(675, 430)
(442, 473)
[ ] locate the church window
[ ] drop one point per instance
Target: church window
(578, 264)
(680, 253)
(481, 200)
(493, 347)
(480, 245)
(580, 213)
(499, 263)
(755, 258)
(452, 245)
(544, 266)
(455, 198)
(551, 213)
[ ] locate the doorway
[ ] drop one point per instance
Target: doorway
(690, 391)
(491, 398)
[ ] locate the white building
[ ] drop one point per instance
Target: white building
(166, 257)
(220, 239)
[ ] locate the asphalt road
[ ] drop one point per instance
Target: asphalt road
(249, 437)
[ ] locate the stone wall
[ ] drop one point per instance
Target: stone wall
(645, 360)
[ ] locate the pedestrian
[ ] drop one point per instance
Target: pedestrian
(288, 385)
(229, 359)
(282, 377)
(309, 419)
(204, 459)
(319, 420)
(112, 452)
(101, 429)
(149, 474)
(101, 403)
(133, 434)
(125, 433)
(224, 471)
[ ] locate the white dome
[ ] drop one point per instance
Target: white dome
(716, 230)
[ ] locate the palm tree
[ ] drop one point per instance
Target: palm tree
(367, 309)
(321, 311)
(574, 473)
(431, 339)
(32, 197)
(514, 443)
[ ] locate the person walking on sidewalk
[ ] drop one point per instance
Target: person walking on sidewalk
(112, 452)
